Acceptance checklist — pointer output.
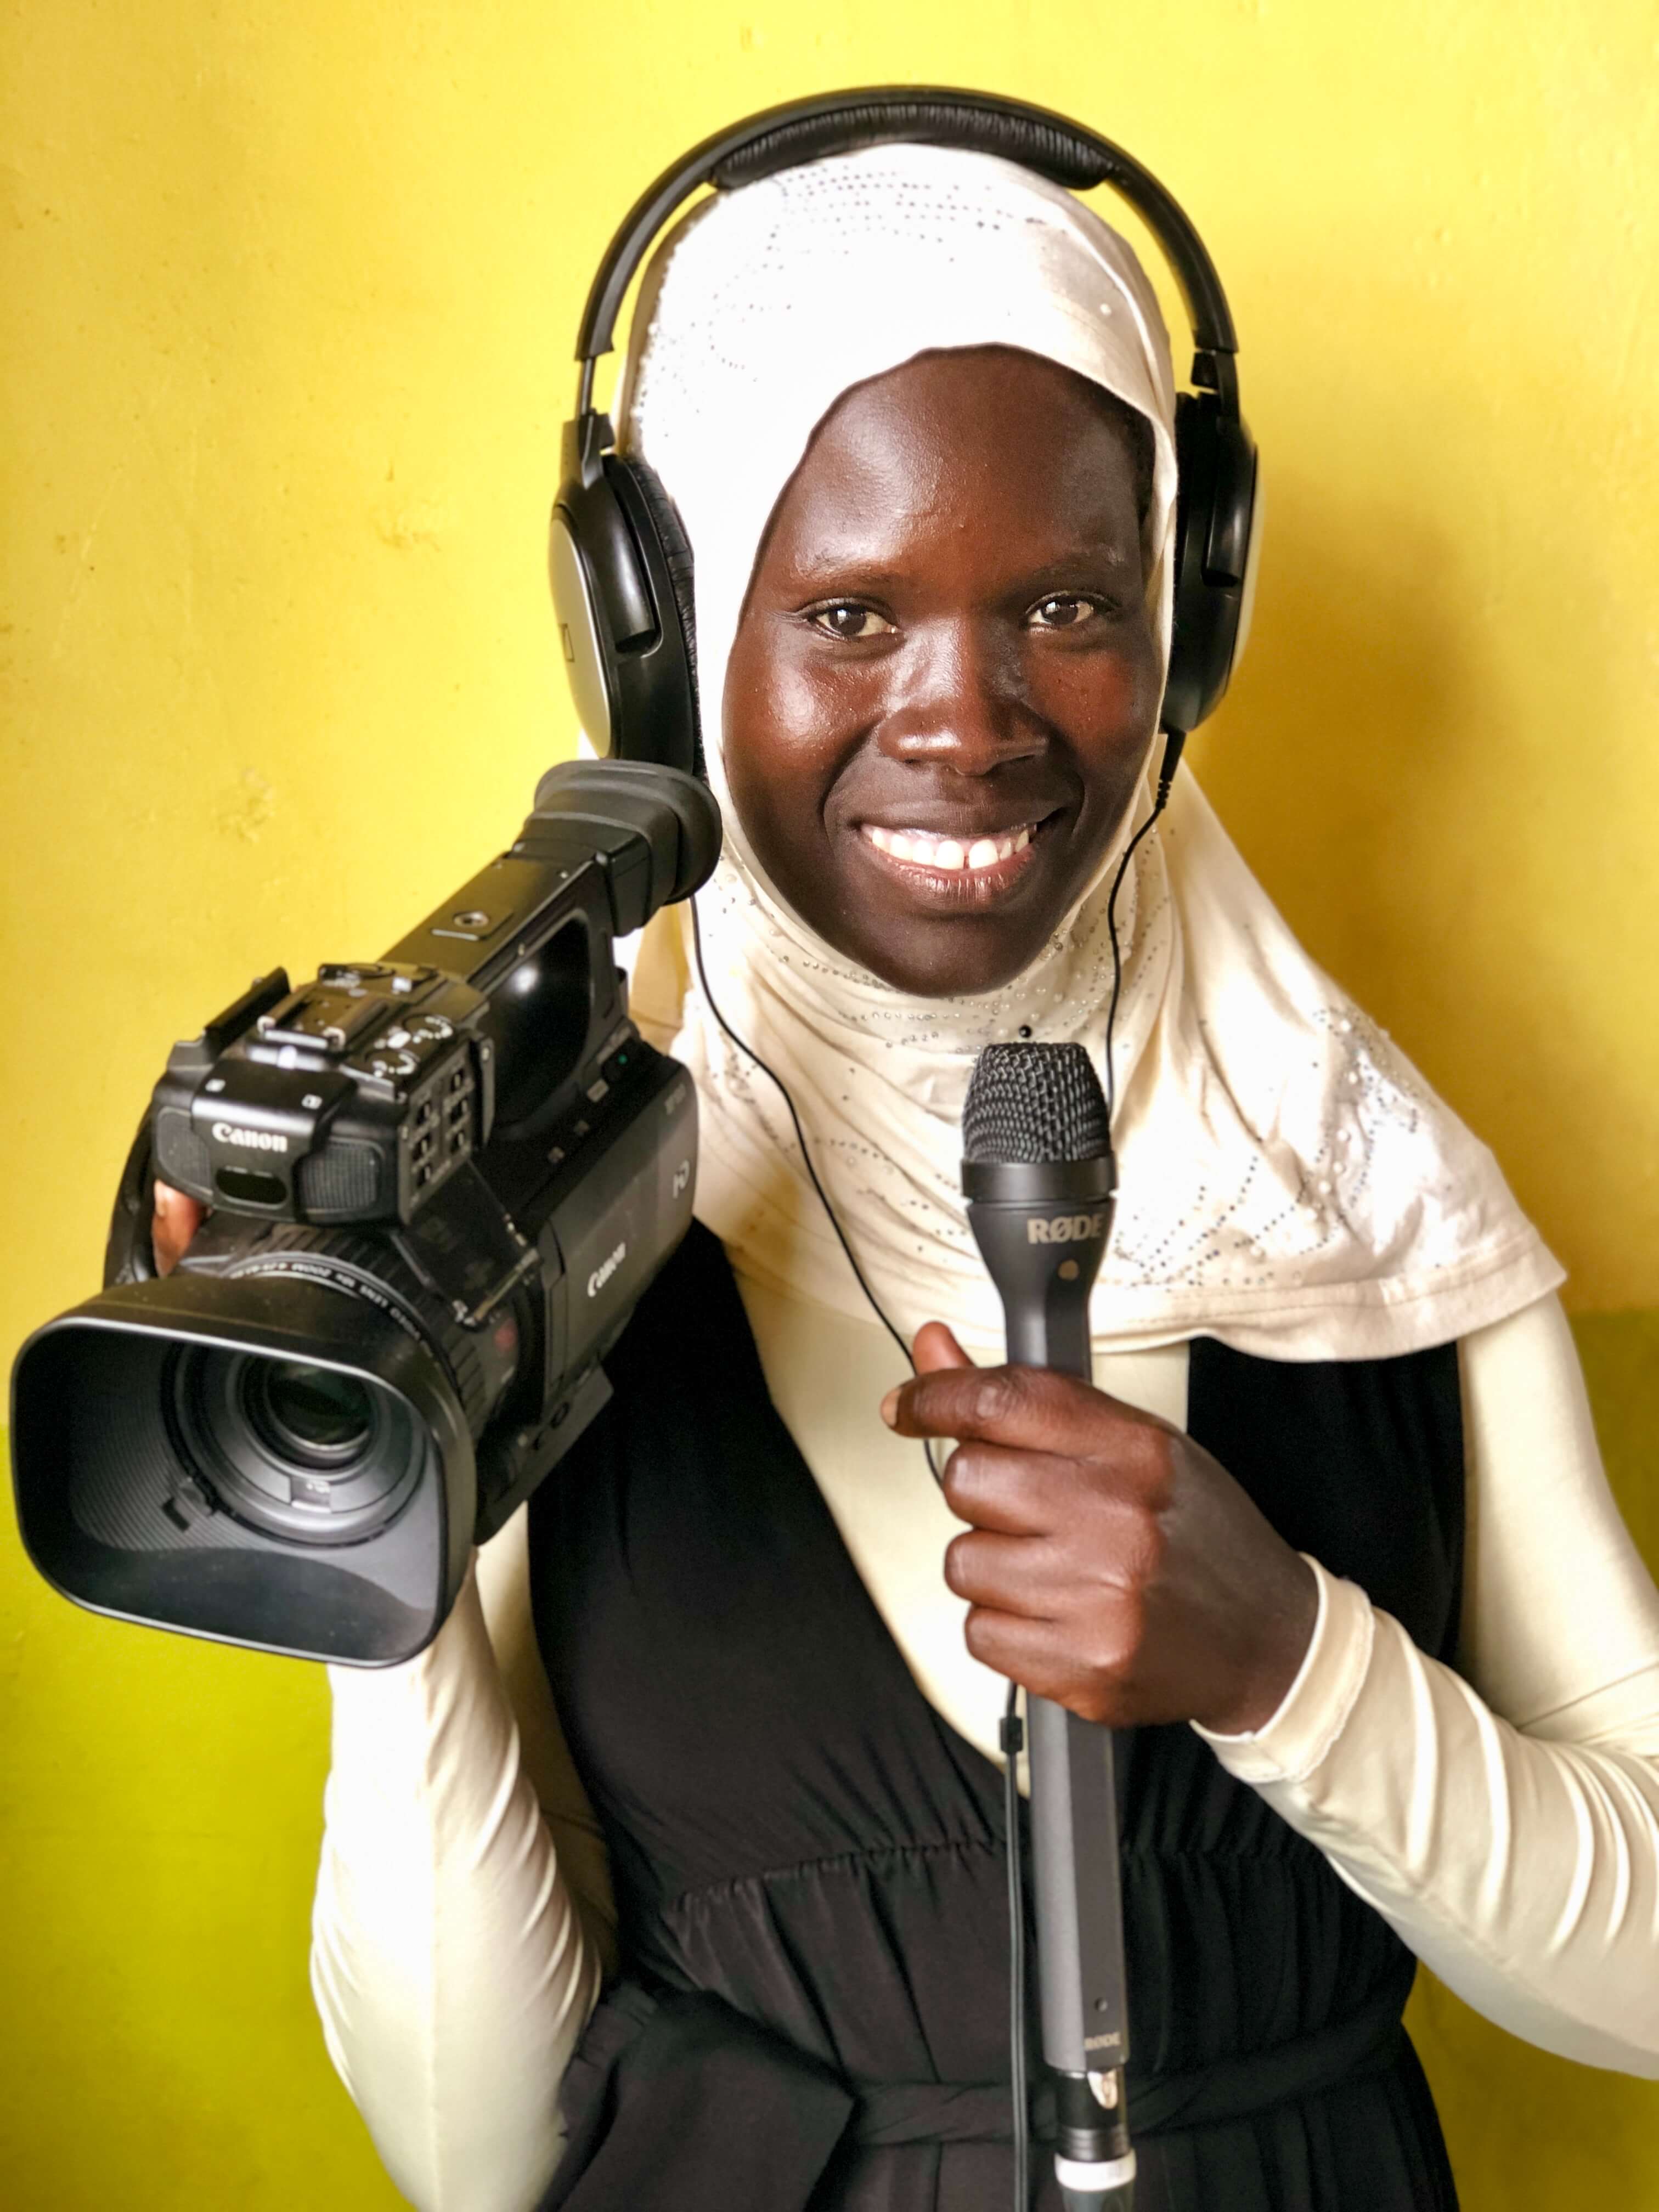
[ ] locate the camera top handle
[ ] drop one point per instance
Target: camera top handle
(652, 834)
(655, 831)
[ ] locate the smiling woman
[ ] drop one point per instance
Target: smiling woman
(934, 728)
(1331, 1541)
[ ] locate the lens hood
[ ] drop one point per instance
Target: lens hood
(153, 1483)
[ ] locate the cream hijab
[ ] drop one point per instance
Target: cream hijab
(1288, 1182)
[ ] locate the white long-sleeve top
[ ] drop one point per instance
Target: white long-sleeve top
(1504, 1817)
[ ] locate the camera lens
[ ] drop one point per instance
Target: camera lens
(299, 1451)
(312, 1414)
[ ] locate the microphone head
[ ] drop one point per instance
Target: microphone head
(1034, 1102)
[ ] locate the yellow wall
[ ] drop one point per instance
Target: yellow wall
(287, 291)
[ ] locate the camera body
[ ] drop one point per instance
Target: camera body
(355, 1099)
(439, 1182)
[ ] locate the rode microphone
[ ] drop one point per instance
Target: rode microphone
(1038, 1176)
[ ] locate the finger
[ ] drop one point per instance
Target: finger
(1027, 1651)
(1008, 1574)
(1032, 1407)
(1010, 1491)
(177, 1219)
(936, 1349)
(1034, 1654)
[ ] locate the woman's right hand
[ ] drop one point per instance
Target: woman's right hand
(177, 1219)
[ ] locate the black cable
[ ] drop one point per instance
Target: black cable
(773, 1077)
(782, 1089)
(1013, 1738)
(1173, 742)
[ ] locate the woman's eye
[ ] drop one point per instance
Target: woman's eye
(1065, 611)
(847, 619)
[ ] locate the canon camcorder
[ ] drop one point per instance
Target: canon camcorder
(439, 1184)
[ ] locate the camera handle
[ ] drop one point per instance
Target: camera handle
(129, 1254)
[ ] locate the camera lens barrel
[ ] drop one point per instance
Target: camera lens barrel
(312, 1454)
(480, 1362)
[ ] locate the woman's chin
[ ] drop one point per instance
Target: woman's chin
(961, 955)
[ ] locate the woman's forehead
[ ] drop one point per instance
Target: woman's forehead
(966, 438)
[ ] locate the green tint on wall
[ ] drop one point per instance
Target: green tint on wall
(288, 290)
(160, 1811)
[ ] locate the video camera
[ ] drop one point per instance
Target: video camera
(439, 1184)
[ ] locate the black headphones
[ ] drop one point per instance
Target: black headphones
(621, 567)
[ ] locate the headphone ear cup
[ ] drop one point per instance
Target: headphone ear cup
(656, 717)
(620, 572)
(676, 552)
(1216, 539)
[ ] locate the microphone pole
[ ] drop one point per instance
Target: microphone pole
(1039, 1180)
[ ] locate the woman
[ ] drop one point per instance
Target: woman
(1330, 1535)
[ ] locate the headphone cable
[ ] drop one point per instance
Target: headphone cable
(1011, 1736)
(1174, 741)
(782, 1089)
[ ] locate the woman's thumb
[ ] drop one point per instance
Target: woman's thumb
(178, 1217)
(936, 1348)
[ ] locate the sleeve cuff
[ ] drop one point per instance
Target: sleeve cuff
(1316, 1707)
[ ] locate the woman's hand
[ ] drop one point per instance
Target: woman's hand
(177, 1219)
(1112, 1566)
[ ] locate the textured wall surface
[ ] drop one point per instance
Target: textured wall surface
(286, 295)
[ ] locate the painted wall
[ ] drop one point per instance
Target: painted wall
(287, 293)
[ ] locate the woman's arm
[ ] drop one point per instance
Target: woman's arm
(1504, 1819)
(453, 1965)
(502, 1568)
(1506, 1822)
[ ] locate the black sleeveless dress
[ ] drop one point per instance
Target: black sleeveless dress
(808, 1860)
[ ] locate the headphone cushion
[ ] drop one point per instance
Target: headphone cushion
(617, 545)
(676, 553)
(1215, 459)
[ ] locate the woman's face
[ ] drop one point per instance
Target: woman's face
(945, 680)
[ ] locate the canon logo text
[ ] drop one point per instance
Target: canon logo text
(606, 1268)
(256, 1140)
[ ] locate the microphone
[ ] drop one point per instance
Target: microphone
(1039, 1179)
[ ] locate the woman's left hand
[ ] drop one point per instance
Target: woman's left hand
(1111, 1565)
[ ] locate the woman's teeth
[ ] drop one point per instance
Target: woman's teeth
(923, 850)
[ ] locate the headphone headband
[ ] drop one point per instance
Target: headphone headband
(979, 121)
(622, 570)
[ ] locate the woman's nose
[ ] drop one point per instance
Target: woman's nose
(958, 702)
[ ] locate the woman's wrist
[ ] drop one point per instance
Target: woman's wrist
(1294, 1740)
(1284, 1623)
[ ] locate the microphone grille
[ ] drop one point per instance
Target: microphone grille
(1035, 1102)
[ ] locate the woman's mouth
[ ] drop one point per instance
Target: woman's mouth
(921, 849)
(972, 868)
